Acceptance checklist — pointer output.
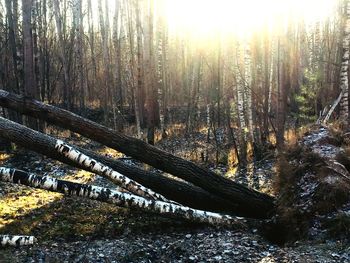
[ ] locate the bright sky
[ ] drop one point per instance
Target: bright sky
(203, 17)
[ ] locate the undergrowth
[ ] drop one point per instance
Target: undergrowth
(292, 222)
(339, 226)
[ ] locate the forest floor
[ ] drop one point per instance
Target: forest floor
(78, 230)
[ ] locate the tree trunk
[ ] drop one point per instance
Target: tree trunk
(13, 42)
(248, 88)
(116, 197)
(240, 110)
(172, 189)
(232, 138)
(10, 240)
(218, 81)
(62, 51)
(139, 91)
(160, 72)
(249, 202)
(283, 87)
(79, 50)
(190, 80)
(332, 108)
(104, 27)
(344, 78)
(30, 85)
(105, 171)
(92, 49)
(118, 61)
(268, 68)
(149, 73)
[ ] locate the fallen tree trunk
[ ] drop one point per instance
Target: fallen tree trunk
(334, 105)
(248, 202)
(116, 197)
(105, 171)
(170, 188)
(10, 240)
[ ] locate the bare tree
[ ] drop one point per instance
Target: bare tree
(62, 54)
(30, 84)
(149, 72)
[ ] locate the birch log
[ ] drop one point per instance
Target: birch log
(334, 105)
(10, 240)
(105, 171)
(116, 197)
(248, 202)
(170, 188)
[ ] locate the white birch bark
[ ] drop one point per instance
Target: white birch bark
(344, 83)
(240, 109)
(208, 131)
(240, 93)
(208, 121)
(12, 240)
(107, 172)
(160, 72)
(115, 197)
(334, 105)
(248, 88)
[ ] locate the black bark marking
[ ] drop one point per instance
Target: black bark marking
(18, 242)
(130, 202)
(112, 196)
(19, 176)
(78, 159)
(65, 149)
(104, 194)
(241, 200)
(92, 164)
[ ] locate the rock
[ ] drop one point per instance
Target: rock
(218, 257)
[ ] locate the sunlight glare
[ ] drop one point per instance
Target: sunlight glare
(202, 17)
